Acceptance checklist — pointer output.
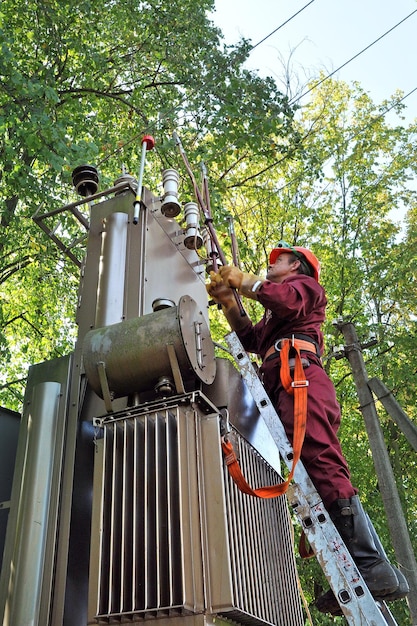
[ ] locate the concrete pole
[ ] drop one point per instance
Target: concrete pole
(398, 529)
(394, 410)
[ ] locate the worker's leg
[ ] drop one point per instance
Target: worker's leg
(321, 454)
(403, 587)
(324, 461)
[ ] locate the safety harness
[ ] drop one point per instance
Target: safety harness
(295, 385)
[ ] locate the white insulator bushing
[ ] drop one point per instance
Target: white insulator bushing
(193, 240)
(162, 303)
(170, 206)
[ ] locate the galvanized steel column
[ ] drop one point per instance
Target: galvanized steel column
(26, 571)
(111, 286)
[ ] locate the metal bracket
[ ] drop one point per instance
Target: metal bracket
(225, 427)
(104, 384)
(175, 367)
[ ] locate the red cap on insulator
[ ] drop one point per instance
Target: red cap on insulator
(150, 141)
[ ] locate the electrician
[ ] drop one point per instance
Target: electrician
(294, 303)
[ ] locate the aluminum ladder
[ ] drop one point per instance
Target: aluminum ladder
(353, 596)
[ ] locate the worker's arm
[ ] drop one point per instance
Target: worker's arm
(247, 285)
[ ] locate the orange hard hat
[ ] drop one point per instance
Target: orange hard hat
(303, 253)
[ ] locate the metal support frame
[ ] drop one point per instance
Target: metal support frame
(40, 219)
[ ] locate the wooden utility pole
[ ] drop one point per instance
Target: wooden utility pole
(398, 529)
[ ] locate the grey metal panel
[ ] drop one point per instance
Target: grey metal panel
(229, 390)
(4, 516)
(171, 270)
(28, 559)
(9, 431)
(252, 573)
(146, 561)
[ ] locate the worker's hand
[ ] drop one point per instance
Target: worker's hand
(219, 292)
(231, 276)
(247, 284)
(226, 297)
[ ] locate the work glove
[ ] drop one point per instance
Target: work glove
(218, 291)
(247, 284)
(226, 297)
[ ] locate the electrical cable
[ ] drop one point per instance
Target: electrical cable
(297, 98)
(283, 24)
(294, 100)
(291, 153)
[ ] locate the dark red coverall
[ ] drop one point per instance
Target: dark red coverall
(297, 306)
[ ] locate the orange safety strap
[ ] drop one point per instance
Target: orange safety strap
(298, 388)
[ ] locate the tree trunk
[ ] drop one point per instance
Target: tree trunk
(392, 407)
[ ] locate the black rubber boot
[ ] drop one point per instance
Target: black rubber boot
(352, 523)
(403, 588)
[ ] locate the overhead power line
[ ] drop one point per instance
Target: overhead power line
(283, 24)
(294, 100)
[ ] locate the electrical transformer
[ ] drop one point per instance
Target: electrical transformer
(121, 509)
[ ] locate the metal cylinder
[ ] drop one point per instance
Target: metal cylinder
(111, 286)
(170, 207)
(162, 303)
(136, 353)
(26, 575)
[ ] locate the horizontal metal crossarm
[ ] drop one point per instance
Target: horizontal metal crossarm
(354, 598)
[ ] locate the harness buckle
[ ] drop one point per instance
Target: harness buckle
(297, 384)
(277, 344)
